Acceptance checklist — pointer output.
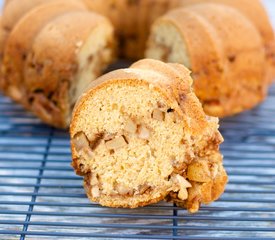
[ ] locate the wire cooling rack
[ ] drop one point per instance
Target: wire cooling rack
(42, 198)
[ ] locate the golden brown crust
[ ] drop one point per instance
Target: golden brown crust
(62, 37)
(20, 41)
(226, 64)
(255, 12)
(173, 82)
(244, 55)
(206, 60)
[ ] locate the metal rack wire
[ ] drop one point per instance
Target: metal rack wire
(42, 198)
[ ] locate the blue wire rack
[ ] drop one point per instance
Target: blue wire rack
(42, 198)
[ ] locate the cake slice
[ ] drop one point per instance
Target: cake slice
(228, 66)
(139, 135)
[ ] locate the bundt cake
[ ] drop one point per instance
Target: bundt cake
(255, 12)
(140, 15)
(223, 73)
(228, 66)
(133, 28)
(78, 44)
(139, 135)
